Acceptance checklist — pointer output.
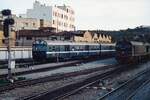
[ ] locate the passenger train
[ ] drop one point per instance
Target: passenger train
(132, 51)
(44, 50)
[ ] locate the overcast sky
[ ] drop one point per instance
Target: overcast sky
(95, 14)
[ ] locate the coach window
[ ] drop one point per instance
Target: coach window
(57, 48)
(73, 49)
(50, 49)
(61, 48)
(53, 48)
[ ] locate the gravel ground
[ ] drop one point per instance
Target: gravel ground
(18, 93)
(143, 93)
(96, 91)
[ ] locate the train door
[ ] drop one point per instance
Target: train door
(100, 50)
(147, 49)
(67, 50)
(87, 49)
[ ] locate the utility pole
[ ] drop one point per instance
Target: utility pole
(9, 54)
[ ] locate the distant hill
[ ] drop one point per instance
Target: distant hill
(137, 34)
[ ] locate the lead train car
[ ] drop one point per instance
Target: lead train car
(43, 50)
(131, 51)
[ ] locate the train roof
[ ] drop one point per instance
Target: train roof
(139, 43)
(136, 43)
(133, 43)
(49, 42)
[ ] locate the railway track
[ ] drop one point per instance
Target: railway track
(31, 62)
(129, 89)
(71, 88)
(21, 64)
(43, 69)
(29, 82)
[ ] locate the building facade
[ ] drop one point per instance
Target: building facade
(26, 23)
(4, 42)
(92, 37)
(27, 37)
(60, 17)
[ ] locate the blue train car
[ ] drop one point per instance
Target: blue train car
(63, 50)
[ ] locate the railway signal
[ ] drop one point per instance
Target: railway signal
(6, 12)
(8, 21)
(6, 25)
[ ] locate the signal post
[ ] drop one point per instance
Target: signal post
(8, 21)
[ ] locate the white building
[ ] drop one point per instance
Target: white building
(26, 23)
(60, 17)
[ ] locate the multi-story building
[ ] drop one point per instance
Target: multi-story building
(60, 17)
(26, 23)
(27, 37)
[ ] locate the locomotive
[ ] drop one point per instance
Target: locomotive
(63, 50)
(131, 51)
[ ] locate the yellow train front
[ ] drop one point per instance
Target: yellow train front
(132, 51)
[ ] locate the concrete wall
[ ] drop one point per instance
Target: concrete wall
(16, 53)
(4, 43)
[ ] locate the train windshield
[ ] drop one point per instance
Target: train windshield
(39, 46)
(124, 46)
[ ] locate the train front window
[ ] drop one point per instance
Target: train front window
(39, 47)
(123, 46)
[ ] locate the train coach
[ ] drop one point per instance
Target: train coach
(44, 49)
(132, 51)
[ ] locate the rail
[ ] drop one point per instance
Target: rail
(127, 91)
(71, 88)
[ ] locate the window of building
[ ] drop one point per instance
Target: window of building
(53, 21)
(62, 16)
(28, 38)
(26, 24)
(67, 38)
(56, 14)
(53, 38)
(33, 24)
(53, 13)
